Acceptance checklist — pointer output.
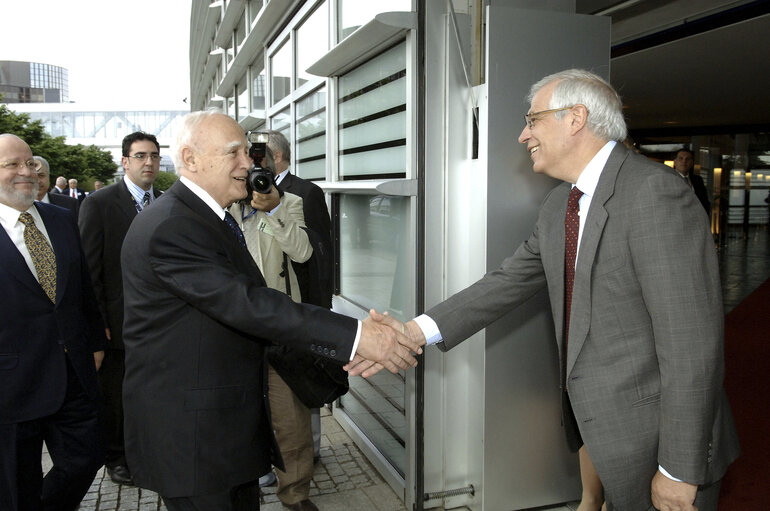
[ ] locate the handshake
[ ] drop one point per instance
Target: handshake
(386, 343)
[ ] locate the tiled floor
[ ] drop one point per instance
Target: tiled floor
(345, 481)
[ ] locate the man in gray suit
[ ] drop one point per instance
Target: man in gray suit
(642, 376)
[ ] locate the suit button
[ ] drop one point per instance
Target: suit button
(312, 347)
(326, 351)
(333, 353)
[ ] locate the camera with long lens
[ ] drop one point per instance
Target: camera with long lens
(258, 178)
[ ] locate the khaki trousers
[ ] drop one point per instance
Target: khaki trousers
(291, 422)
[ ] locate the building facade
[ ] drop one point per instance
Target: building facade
(32, 82)
(405, 112)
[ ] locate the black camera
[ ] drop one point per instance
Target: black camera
(258, 179)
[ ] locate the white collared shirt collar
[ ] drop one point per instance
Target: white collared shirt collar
(204, 196)
(589, 178)
(279, 177)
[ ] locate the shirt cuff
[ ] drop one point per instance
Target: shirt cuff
(429, 329)
(358, 338)
(665, 473)
(272, 211)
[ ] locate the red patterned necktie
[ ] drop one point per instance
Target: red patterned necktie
(571, 230)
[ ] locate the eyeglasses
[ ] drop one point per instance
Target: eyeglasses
(143, 156)
(32, 165)
(534, 116)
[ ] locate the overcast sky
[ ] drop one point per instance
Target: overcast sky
(120, 54)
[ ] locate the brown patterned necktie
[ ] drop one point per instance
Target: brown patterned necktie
(42, 254)
(571, 230)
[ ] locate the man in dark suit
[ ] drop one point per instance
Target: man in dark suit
(44, 183)
(74, 191)
(683, 164)
(642, 376)
(197, 319)
(51, 337)
(104, 221)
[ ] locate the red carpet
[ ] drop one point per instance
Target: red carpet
(746, 486)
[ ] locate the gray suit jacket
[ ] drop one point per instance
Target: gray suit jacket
(644, 365)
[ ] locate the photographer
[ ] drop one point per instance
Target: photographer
(273, 225)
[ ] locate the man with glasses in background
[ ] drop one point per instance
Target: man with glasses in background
(51, 337)
(44, 183)
(104, 220)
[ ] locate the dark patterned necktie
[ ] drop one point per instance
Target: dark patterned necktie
(42, 255)
(571, 230)
(230, 221)
(145, 200)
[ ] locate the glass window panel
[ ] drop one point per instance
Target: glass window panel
(312, 42)
(243, 99)
(373, 121)
(354, 13)
(376, 270)
(310, 152)
(374, 233)
(258, 86)
(240, 31)
(254, 7)
(282, 122)
(280, 69)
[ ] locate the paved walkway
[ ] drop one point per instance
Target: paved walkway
(343, 481)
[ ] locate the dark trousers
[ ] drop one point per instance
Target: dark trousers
(111, 384)
(73, 436)
(241, 498)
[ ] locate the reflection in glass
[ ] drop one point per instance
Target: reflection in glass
(280, 69)
(258, 86)
(312, 42)
(376, 272)
(310, 153)
(243, 99)
(282, 122)
(354, 13)
(373, 235)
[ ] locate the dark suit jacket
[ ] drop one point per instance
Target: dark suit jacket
(644, 365)
(63, 201)
(700, 192)
(34, 332)
(315, 276)
(197, 318)
(104, 221)
(81, 193)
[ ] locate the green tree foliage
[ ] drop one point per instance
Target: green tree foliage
(164, 181)
(84, 163)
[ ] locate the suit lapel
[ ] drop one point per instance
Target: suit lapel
(580, 319)
(125, 202)
(15, 265)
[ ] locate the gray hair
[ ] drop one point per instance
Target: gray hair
(580, 87)
(44, 163)
(184, 137)
(278, 142)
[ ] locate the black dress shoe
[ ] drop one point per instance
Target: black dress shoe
(304, 505)
(120, 475)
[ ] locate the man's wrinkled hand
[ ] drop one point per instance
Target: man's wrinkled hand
(383, 344)
(266, 201)
(670, 495)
